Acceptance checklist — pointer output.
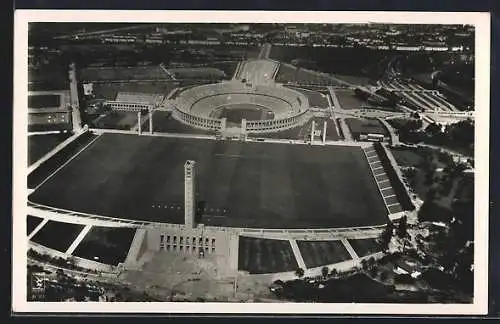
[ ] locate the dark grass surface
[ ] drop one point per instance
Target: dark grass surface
(123, 120)
(39, 145)
(316, 99)
(257, 255)
(259, 185)
(364, 247)
(364, 126)
(31, 223)
(198, 73)
(110, 90)
(287, 73)
(109, 244)
(319, 253)
(44, 101)
(152, 72)
(49, 166)
(57, 235)
(349, 101)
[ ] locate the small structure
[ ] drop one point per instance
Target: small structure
(403, 268)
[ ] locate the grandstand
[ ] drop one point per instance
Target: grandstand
(201, 106)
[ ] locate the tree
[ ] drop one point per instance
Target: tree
(324, 272)
(402, 230)
(433, 129)
(364, 264)
(299, 272)
(386, 236)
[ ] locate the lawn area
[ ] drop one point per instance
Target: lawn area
(152, 72)
(57, 235)
(257, 255)
(349, 101)
(31, 223)
(320, 253)
(290, 74)
(364, 247)
(316, 99)
(365, 126)
(49, 166)
(109, 91)
(39, 145)
(408, 157)
(44, 101)
(106, 244)
(123, 120)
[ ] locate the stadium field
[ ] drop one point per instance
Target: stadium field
(239, 184)
(236, 112)
(106, 244)
(39, 145)
(258, 256)
(320, 253)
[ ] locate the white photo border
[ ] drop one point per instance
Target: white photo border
(481, 21)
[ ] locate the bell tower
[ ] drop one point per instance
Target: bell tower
(189, 193)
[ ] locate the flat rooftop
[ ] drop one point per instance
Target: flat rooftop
(238, 184)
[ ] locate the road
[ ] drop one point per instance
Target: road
(75, 104)
(265, 51)
(105, 31)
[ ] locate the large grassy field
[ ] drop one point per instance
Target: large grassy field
(316, 99)
(238, 184)
(257, 255)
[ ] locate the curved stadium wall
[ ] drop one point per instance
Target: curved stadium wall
(297, 115)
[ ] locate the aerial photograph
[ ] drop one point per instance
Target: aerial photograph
(250, 163)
